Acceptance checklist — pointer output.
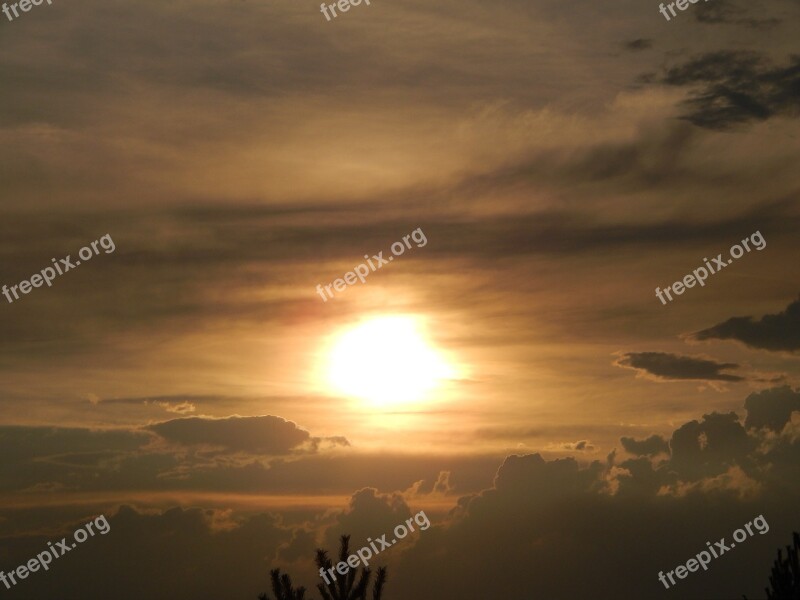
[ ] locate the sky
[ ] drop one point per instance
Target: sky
(512, 373)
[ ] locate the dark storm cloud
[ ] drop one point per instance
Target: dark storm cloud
(771, 408)
(653, 445)
(778, 332)
(269, 434)
(667, 366)
(733, 87)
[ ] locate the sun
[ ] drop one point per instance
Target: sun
(387, 361)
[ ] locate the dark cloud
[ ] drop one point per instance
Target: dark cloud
(771, 408)
(653, 445)
(272, 435)
(39, 455)
(639, 44)
(733, 87)
(665, 366)
(779, 332)
(710, 447)
(369, 514)
(552, 506)
(726, 12)
(178, 553)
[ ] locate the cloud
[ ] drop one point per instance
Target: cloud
(104, 462)
(182, 408)
(714, 482)
(268, 434)
(771, 408)
(726, 12)
(779, 332)
(61, 455)
(579, 446)
(529, 528)
(178, 553)
(710, 447)
(369, 514)
(638, 44)
(161, 400)
(735, 87)
(663, 366)
(653, 445)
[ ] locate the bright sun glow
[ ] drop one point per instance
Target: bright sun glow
(387, 360)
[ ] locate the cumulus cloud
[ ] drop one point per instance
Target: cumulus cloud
(771, 408)
(714, 482)
(707, 448)
(369, 514)
(778, 332)
(653, 445)
(665, 366)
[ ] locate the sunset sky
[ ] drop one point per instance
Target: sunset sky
(515, 376)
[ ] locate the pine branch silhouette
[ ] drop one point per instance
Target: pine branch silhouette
(784, 582)
(345, 587)
(353, 586)
(282, 587)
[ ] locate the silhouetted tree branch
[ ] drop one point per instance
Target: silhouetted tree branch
(353, 586)
(784, 582)
(282, 587)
